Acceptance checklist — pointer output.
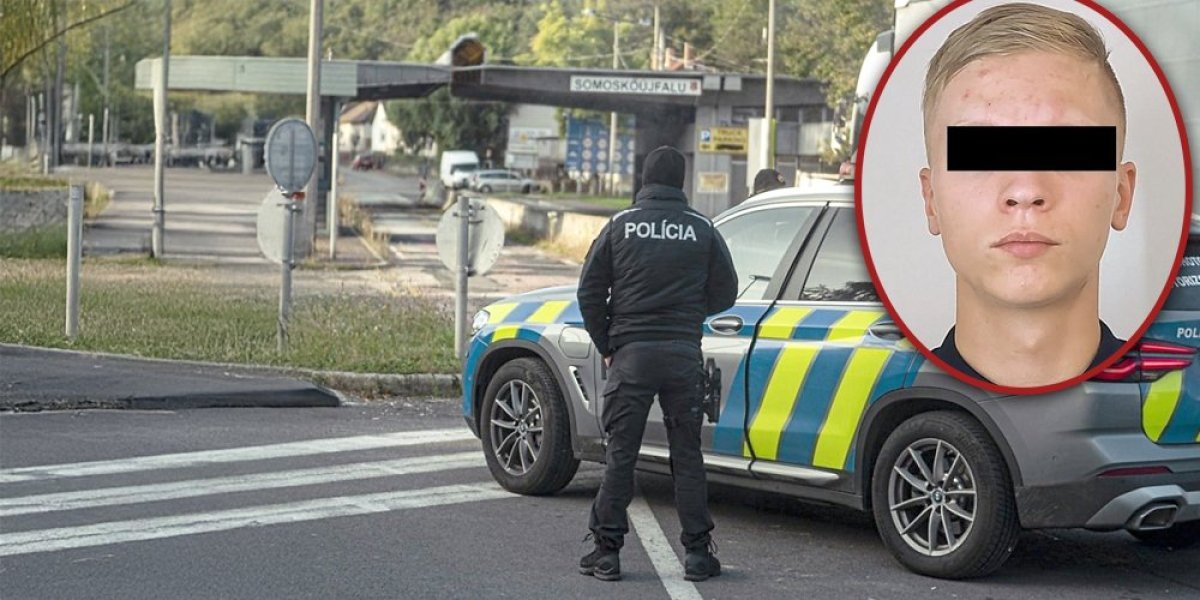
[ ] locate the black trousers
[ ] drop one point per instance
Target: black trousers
(673, 371)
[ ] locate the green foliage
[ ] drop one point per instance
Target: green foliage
(827, 40)
(824, 39)
(39, 242)
(166, 311)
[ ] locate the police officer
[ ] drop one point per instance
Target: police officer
(651, 277)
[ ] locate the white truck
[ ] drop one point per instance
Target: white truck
(457, 167)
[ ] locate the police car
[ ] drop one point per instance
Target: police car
(823, 398)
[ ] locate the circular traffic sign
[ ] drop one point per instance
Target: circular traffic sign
(485, 237)
(271, 217)
(291, 154)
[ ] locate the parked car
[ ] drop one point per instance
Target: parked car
(500, 180)
(363, 162)
(827, 401)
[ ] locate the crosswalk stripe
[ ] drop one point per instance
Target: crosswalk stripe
(64, 538)
(210, 457)
(662, 557)
(133, 494)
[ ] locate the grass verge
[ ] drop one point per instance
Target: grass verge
(40, 242)
(203, 314)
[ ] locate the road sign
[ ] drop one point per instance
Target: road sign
(585, 137)
(712, 183)
(486, 237)
(729, 140)
(658, 86)
(271, 217)
(291, 154)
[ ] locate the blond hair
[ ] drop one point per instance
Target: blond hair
(1012, 28)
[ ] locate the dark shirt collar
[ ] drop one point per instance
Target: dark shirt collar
(656, 191)
(948, 351)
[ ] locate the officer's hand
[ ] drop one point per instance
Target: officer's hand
(607, 362)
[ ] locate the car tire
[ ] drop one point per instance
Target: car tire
(1180, 535)
(525, 429)
(485, 189)
(525, 189)
(974, 482)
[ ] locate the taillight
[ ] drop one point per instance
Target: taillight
(1149, 360)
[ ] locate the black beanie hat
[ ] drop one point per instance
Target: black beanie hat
(664, 166)
(768, 179)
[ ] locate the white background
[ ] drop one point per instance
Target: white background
(911, 264)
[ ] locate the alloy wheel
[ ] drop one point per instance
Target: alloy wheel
(932, 497)
(516, 423)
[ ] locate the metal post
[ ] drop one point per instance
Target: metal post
(460, 281)
(104, 139)
(331, 220)
(160, 134)
(612, 116)
(30, 126)
(769, 108)
(312, 115)
(655, 51)
(285, 287)
(91, 135)
(74, 251)
(56, 131)
(104, 125)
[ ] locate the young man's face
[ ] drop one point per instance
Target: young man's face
(1024, 238)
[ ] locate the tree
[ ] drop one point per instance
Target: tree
(827, 40)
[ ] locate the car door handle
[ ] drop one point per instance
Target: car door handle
(726, 325)
(887, 330)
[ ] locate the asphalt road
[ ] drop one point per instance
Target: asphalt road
(393, 501)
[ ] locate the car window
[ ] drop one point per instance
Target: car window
(838, 273)
(757, 240)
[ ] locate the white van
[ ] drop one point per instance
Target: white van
(457, 168)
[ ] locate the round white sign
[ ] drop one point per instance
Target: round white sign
(486, 237)
(291, 154)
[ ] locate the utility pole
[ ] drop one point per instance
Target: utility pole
(769, 109)
(655, 60)
(56, 132)
(312, 114)
(160, 137)
(104, 125)
(612, 117)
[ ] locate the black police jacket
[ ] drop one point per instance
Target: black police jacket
(654, 273)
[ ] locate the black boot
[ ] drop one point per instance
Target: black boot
(603, 563)
(701, 562)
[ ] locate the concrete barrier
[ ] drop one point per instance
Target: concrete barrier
(28, 209)
(570, 229)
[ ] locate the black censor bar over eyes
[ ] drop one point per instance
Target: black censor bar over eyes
(1048, 148)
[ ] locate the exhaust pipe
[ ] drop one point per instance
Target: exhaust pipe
(1154, 516)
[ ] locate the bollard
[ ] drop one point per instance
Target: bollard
(74, 253)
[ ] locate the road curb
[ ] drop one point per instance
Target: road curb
(362, 384)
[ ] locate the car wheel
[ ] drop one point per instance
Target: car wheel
(943, 499)
(526, 189)
(525, 429)
(1180, 535)
(486, 189)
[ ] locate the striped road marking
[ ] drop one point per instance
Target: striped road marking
(116, 532)
(211, 457)
(134, 494)
(665, 562)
